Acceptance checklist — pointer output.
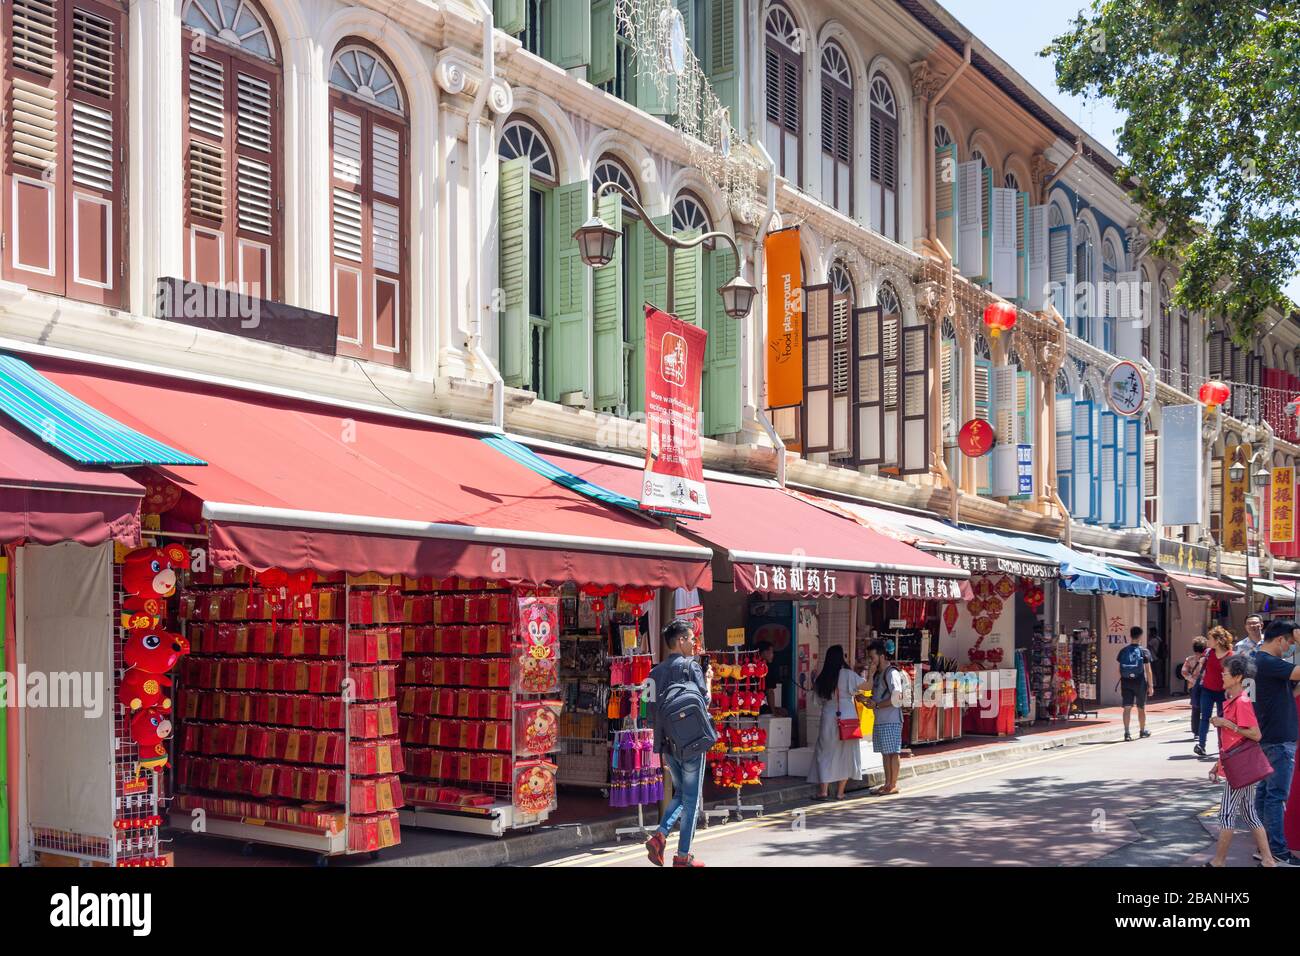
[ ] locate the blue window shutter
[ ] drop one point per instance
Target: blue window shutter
(1085, 453)
(1134, 444)
(1065, 450)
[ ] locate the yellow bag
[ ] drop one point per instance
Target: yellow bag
(866, 718)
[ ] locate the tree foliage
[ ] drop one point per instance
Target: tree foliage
(1211, 89)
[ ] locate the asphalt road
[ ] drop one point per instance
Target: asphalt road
(1142, 803)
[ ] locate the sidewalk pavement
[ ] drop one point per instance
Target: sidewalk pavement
(564, 832)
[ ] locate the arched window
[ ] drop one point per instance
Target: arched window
(1166, 335)
(884, 158)
(945, 187)
(689, 215)
(1085, 267)
(1054, 216)
(783, 75)
(231, 89)
(1110, 258)
(843, 301)
(63, 128)
(837, 129)
(520, 139)
(887, 299)
(609, 169)
(942, 137)
(368, 206)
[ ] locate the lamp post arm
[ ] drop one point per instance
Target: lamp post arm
(667, 239)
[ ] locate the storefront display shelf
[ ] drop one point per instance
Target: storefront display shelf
(251, 830)
(492, 820)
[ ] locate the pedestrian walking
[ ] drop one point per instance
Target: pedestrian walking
(1277, 683)
(837, 756)
(1135, 681)
(683, 734)
(1249, 644)
(1212, 683)
(886, 705)
(1193, 665)
(1238, 727)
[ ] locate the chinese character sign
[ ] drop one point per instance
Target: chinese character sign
(1282, 506)
(1234, 500)
(674, 471)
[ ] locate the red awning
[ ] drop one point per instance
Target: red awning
(45, 499)
(296, 485)
(778, 544)
(1208, 587)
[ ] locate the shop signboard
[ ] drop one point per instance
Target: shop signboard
(1181, 464)
(1174, 555)
(1282, 506)
(1233, 520)
(1025, 469)
(674, 468)
(987, 564)
(784, 318)
(769, 578)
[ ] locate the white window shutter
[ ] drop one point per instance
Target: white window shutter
(1128, 315)
(1004, 243)
(1110, 437)
(1003, 387)
(1037, 258)
(1060, 271)
(970, 219)
(1065, 450)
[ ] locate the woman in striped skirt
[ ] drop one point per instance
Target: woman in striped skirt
(1238, 724)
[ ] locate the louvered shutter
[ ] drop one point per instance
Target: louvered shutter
(1085, 452)
(512, 271)
(1216, 349)
(950, 379)
(1060, 271)
(725, 30)
(1107, 471)
(368, 231)
(510, 16)
(945, 196)
(1022, 248)
(984, 411)
(1185, 351)
(607, 313)
(818, 411)
(649, 97)
(841, 400)
(1240, 393)
(722, 406)
(792, 118)
(1038, 258)
(1128, 314)
(914, 389)
(884, 174)
(1002, 381)
(837, 146)
(891, 359)
(65, 148)
(604, 43)
(1256, 380)
(986, 234)
(1166, 343)
(1003, 239)
(1150, 469)
(1024, 424)
(970, 219)
(688, 276)
(1131, 487)
(571, 42)
(571, 291)
(1065, 450)
(232, 164)
(868, 386)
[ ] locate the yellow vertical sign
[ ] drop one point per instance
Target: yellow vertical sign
(1282, 506)
(1233, 520)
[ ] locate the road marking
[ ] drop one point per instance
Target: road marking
(596, 858)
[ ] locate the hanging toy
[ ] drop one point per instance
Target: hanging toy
(149, 728)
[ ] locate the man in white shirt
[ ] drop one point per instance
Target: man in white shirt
(1249, 644)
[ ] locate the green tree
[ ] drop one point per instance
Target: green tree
(1211, 141)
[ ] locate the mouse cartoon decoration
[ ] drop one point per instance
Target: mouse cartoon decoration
(149, 654)
(149, 577)
(536, 650)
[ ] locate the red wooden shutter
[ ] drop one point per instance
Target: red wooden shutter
(868, 417)
(232, 162)
(914, 401)
(368, 231)
(65, 152)
(817, 414)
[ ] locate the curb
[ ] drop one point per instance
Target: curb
(528, 846)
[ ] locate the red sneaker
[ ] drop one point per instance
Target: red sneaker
(654, 848)
(687, 860)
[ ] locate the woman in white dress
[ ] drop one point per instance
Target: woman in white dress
(836, 760)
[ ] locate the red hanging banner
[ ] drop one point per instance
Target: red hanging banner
(674, 470)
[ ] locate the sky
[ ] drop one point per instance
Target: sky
(1016, 32)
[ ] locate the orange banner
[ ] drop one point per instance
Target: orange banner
(1282, 510)
(784, 318)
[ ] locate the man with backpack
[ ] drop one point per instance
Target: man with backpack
(679, 693)
(1135, 681)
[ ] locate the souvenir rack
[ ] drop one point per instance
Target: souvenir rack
(738, 718)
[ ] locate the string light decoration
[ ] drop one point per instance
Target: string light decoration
(715, 147)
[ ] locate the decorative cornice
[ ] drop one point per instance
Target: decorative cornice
(456, 73)
(925, 84)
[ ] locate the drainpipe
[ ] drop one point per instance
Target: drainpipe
(476, 303)
(1052, 180)
(931, 213)
(1055, 497)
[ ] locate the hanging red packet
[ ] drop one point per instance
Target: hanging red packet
(534, 786)
(537, 727)
(535, 654)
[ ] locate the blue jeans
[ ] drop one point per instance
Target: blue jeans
(1270, 795)
(688, 778)
(1210, 700)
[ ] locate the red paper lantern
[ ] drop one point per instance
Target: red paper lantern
(976, 438)
(999, 317)
(1213, 394)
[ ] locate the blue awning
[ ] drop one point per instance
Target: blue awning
(81, 432)
(530, 459)
(1082, 573)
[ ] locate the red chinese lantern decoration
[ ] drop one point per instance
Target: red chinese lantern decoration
(1034, 598)
(999, 317)
(636, 595)
(976, 438)
(1213, 394)
(598, 605)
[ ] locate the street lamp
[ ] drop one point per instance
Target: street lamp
(596, 240)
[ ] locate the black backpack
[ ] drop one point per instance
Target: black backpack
(1132, 663)
(682, 713)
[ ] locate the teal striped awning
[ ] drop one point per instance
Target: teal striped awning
(530, 459)
(83, 433)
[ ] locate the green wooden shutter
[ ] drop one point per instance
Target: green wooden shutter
(688, 274)
(571, 38)
(512, 268)
(652, 287)
(607, 313)
(725, 31)
(570, 300)
(510, 16)
(649, 98)
(604, 43)
(721, 397)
